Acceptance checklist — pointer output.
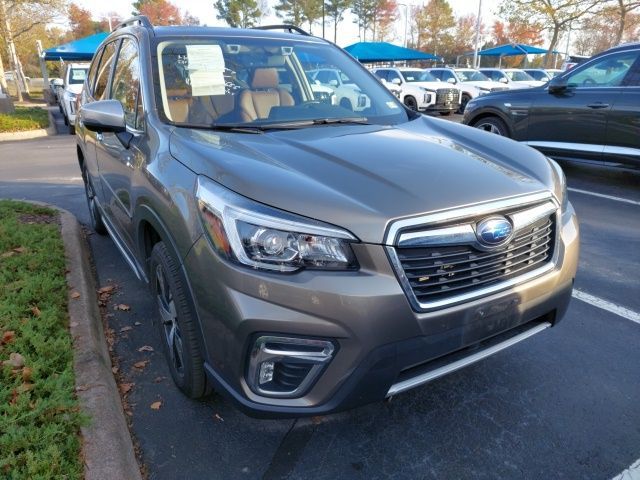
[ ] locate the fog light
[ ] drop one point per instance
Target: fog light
(266, 372)
(286, 367)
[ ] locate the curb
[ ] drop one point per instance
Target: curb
(107, 447)
(29, 134)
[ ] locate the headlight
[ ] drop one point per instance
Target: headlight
(483, 91)
(259, 236)
(561, 184)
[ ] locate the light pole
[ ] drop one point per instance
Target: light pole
(477, 40)
(406, 21)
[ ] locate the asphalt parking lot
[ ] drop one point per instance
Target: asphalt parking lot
(564, 404)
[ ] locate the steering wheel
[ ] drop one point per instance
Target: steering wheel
(588, 81)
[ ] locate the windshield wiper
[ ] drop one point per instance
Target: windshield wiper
(261, 127)
(345, 120)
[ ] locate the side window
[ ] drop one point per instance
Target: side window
(91, 78)
(381, 74)
(609, 71)
(126, 83)
(104, 69)
(446, 75)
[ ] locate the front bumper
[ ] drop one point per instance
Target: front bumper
(382, 341)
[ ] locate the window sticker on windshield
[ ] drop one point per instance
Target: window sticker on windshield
(392, 105)
(78, 74)
(206, 70)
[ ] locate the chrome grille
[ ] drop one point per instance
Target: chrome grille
(438, 272)
(445, 263)
(446, 96)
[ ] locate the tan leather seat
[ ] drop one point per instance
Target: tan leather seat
(217, 105)
(264, 95)
(179, 101)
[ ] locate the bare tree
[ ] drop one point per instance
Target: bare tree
(555, 16)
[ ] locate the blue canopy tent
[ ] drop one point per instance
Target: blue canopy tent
(511, 49)
(76, 51)
(369, 52)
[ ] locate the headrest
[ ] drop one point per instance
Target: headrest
(265, 78)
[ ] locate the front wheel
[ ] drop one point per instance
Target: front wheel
(463, 102)
(94, 212)
(447, 113)
(410, 102)
(177, 324)
(492, 125)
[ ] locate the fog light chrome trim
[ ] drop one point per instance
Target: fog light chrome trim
(317, 353)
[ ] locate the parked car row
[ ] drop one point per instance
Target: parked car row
(67, 89)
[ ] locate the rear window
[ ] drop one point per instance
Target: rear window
(77, 75)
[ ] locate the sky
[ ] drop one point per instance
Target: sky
(347, 32)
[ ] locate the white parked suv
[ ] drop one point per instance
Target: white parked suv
(348, 94)
(421, 91)
(472, 83)
(513, 78)
(74, 76)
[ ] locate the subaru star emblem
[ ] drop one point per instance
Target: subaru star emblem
(494, 231)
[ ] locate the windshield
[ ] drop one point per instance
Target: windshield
(77, 76)
(418, 76)
(518, 76)
(472, 76)
(260, 82)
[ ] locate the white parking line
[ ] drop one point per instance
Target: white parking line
(631, 473)
(607, 305)
(602, 195)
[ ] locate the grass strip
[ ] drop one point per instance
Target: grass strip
(39, 413)
(24, 118)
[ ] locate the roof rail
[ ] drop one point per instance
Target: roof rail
(285, 27)
(141, 20)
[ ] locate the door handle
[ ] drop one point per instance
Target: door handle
(99, 137)
(598, 105)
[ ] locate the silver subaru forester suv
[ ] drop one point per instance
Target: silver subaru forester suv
(309, 255)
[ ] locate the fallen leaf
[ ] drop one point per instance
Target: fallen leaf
(146, 348)
(14, 397)
(8, 254)
(126, 329)
(26, 374)
(317, 420)
(36, 311)
(82, 388)
(15, 360)
(218, 417)
(156, 405)
(114, 370)
(19, 249)
(107, 289)
(141, 364)
(25, 387)
(158, 379)
(75, 295)
(125, 387)
(122, 306)
(7, 337)
(73, 324)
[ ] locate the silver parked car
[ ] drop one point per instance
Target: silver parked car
(310, 256)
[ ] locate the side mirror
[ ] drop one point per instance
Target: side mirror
(557, 85)
(503, 80)
(103, 116)
(451, 80)
(396, 81)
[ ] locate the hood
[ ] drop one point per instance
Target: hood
(362, 176)
(485, 84)
(434, 85)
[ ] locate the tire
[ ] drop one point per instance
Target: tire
(346, 103)
(463, 102)
(177, 326)
(411, 103)
(492, 125)
(94, 212)
(447, 113)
